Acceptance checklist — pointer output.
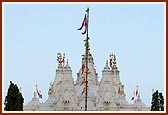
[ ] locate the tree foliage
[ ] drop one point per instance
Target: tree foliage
(157, 101)
(13, 100)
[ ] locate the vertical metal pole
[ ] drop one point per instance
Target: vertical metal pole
(86, 75)
(86, 51)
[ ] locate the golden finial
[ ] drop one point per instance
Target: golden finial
(114, 62)
(59, 57)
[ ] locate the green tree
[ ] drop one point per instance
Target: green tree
(157, 101)
(161, 102)
(13, 100)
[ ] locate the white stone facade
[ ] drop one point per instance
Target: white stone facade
(106, 95)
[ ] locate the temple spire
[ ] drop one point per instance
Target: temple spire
(106, 62)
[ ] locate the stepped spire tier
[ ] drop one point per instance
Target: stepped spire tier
(105, 95)
(93, 85)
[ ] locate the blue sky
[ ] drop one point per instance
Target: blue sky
(34, 34)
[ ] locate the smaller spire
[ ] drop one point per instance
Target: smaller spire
(36, 86)
(35, 92)
(67, 67)
(67, 64)
(67, 61)
(106, 63)
(106, 66)
(35, 95)
(139, 99)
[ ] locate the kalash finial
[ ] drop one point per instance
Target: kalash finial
(60, 58)
(114, 62)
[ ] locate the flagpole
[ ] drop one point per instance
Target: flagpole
(87, 53)
(85, 23)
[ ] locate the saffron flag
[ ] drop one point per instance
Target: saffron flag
(84, 81)
(84, 23)
(84, 90)
(111, 62)
(63, 60)
(51, 90)
(85, 30)
(39, 94)
(83, 67)
(137, 92)
(132, 98)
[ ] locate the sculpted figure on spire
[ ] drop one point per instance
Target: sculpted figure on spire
(61, 58)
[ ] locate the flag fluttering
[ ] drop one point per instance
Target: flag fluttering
(84, 81)
(83, 67)
(51, 90)
(132, 98)
(135, 94)
(84, 90)
(111, 60)
(137, 91)
(63, 59)
(39, 94)
(84, 24)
